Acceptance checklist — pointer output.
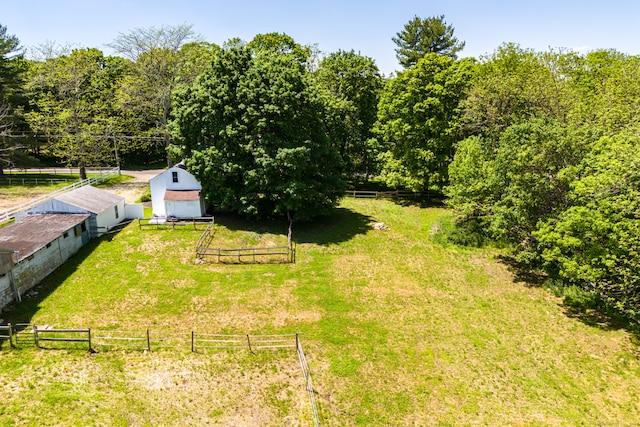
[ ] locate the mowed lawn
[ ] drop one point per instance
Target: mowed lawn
(398, 330)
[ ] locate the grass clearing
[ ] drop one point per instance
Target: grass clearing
(398, 330)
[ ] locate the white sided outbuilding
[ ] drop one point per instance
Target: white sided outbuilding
(105, 208)
(176, 193)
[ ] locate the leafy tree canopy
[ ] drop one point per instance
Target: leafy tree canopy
(280, 43)
(595, 243)
(422, 36)
(73, 98)
(12, 101)
(250, 129)
(419, 117)
(352, 85)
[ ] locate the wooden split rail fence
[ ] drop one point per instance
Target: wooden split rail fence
(203, 249)
(394, 194)
(23, 334)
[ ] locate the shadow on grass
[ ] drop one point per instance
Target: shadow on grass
(235, 222)
(580, 304)
(423, 202)
(340, 226)
(24, 312)
(523, 273)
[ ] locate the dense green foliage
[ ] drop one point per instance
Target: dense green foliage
(596, 240)
(419, 119)
(73, 98)
(352, 85)
(251, 130)
(552, 166)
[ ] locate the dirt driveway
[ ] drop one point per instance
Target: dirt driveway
(134, 188)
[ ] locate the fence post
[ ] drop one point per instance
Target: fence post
(192, 343)
(249, 342)
(10, 335)
(297, 342)
(35, 335)
(148, 341)
(89, 339)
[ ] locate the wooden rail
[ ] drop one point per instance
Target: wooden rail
(306, 372)
(164, 223)
(8, 333)
(146, 341)
(62, 335)
(394, 194)
(203, 248)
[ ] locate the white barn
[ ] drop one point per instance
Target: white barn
(176, 193)
(106, 209)
(30, 249)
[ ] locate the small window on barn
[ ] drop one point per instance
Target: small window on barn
(65, 234)
(174, 176)
(83, 227)
(116, 211)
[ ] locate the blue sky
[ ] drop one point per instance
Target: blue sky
(364, 26)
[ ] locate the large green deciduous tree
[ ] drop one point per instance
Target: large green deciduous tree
(514, 85)
(73, 98)
(606, 92)
(251, 130)
(422, 36)
(352, 83)
(419, 119)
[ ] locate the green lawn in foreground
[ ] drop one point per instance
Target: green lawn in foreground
(398, 330)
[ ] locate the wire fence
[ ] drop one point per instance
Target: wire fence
(46, 337)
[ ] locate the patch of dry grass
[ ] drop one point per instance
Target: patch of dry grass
(398, 330)
(154, 389)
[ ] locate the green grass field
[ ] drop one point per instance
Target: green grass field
(398, 330)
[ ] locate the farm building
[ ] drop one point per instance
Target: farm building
(105, 209)
(30, 249)
(176, 193)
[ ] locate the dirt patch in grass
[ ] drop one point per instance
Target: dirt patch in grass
(160, 389)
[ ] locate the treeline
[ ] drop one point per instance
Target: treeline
(552, 165)
(82, 108)
(539, 150)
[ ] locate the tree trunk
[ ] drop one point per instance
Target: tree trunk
(83, 172)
